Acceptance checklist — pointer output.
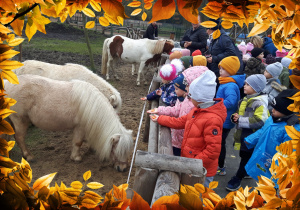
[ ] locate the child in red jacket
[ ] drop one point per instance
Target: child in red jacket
(203, 124)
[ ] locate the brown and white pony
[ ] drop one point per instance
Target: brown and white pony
(76, 105)
(142, 51)
(71, 71)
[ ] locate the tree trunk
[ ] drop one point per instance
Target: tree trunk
(88, 44)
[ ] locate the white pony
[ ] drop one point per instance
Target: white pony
(76, 105)
(134, 51)
(71, 71)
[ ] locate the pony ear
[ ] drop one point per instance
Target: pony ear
(112, 99)
(115, 139)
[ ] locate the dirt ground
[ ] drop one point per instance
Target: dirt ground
(52, 149)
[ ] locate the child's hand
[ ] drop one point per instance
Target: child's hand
(236, 117)
(144, 98)
(154, 117)
(246, 142)
(159, 92)
(153, 111)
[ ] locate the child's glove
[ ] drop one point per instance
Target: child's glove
(152, 111)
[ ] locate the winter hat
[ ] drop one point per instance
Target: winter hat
(242, 47)
(186, 61)
(256, 52)
(286, 62)
(250, 47)
(281, 53)
(218, 26)
(196, 52)
(178, 82)
(275, 69)
(257, 82)
(281, 101)
(169, 71)
(193, 73)
(198, 60)
(231, 64)
(270, 59)
(176, 49)
(175, 54)
(185, 52)
(203, 89)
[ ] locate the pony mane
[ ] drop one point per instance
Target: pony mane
(157, 48)
(96, 115)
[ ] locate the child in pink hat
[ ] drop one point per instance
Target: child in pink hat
(166, 92)
(185, 52)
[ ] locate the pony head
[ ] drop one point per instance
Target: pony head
(169, 45)
(121, 149)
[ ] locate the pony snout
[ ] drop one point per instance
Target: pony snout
(120, 167)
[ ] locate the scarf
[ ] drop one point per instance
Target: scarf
(224, 80)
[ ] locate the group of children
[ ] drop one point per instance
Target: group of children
(201, 115)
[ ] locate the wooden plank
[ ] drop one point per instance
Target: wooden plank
(167, 184)
(193, 179)
(169, 163)
(144, 182)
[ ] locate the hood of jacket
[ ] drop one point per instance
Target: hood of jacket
(261, 97)
(239, 79)
(218, 108)
(253, 62)
(267, 40)
(193, 72)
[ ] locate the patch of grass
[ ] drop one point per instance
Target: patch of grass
(53, 44)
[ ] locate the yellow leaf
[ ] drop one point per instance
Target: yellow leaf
(213, 185)
(240, 205)
(16, 42)
(250, 199)
(258, 29)
(208, 24)
(111, 19)
(136, 12)
(30, 31)
(59, 6)
(159, 12)
(43, 181)
(290, 5)
(165, 200)
(134, 4)
(273, 204)
(8, 54)
(208, 203)
(296, 19)
(144, 16)
(265, 181)
(147, 5)
(240, 195)
(88, 12)
(87, 175)
(8, 6)
(267, 192)
(71, 200)
(286, 28)
(88, 203)
(10, 65)
(96, 6)
(92, 195)
(103, 21)
(200, 188)
(5, 128)
(216, 34)
(90, 24)
(5, 113)
(76, 185)
(214, 197)
(120, 20)
(4, 29)
(189, 11)
(94, 185)
(113, 9)
(227, 24)
(292, 132)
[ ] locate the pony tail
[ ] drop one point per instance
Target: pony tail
(178, 65)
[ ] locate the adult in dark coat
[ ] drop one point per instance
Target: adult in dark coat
(195, 38)
(220, 48)
(151, 31)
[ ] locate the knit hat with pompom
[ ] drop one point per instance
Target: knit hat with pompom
(171, 70)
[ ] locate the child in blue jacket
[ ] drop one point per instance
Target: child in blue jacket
(166, 92)
(272, 134)
(229, 90)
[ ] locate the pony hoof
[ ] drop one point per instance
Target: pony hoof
(107, 77)
(77, 158)
(138, 84)
(28, 157)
